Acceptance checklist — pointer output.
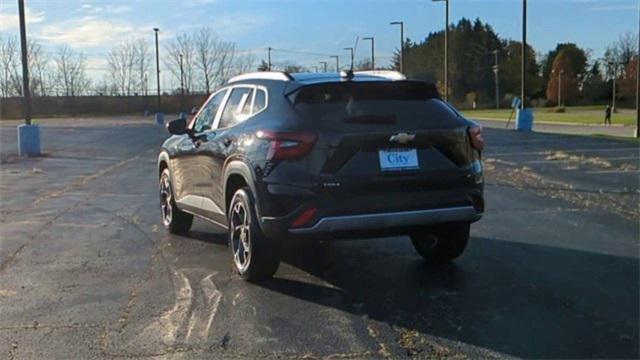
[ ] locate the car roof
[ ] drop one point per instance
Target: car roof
(308, 78)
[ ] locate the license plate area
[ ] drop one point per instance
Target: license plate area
(398, 159)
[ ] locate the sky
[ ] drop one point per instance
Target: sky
(323, 27)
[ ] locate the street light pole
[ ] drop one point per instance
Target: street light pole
(26, 107)
(269, 58)
(373, 61)
(157, 69)
(496, 69)
(324, 63)
(401, 23)
(615, 75)
(350, 49)
(638, 83)
(523, 69)
(446, 48)
(337, 62)
(560, 87)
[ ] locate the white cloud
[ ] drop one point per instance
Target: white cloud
(111, 9)
(9, 20)
(89, 31)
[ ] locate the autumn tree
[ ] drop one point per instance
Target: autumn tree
(563, 81)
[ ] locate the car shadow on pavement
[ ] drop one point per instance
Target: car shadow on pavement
(516, 298)
(208, 237)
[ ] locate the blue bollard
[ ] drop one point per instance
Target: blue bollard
(160, 118)
(147, 113)
(29, 140)
(524, 119)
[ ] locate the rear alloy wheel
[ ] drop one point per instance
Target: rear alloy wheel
(255, 256)
(441, 243)
(173, 219)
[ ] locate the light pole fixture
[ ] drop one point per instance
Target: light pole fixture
(401, 23)
(351, 50)
(156, 30)
(446, 48)
(337, 62)
(373, 61)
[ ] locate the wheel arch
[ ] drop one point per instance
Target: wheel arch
(238, 174)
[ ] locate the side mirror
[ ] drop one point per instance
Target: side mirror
(177, 127)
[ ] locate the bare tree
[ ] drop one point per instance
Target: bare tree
(226, 59)
(8, 63)
(121, 61)
(38, 68)
(244, 63)
(181, 58)
(71, 71)
(143, 62)
(206, 43)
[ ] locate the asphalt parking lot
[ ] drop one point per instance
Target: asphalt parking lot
(87, 271)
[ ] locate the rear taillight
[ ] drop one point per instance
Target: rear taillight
(287, 144)
(475, 136)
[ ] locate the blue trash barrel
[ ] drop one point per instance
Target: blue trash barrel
(160, 118)
(29, 140)
(524, 119)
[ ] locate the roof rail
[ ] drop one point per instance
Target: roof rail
(262, 75)
(387, 74)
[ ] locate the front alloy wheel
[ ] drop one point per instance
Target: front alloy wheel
(173, 219)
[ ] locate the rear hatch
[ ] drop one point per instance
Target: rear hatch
(382, 137)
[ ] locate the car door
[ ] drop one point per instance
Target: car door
(187, 167)
(218, 144)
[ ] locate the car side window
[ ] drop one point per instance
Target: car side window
(232, 113)
(208, 114)
(260, 101)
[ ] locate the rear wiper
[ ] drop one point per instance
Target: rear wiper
(371, 119)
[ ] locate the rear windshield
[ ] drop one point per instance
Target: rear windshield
(407, 104)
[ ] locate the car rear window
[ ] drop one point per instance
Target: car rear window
(406, 104)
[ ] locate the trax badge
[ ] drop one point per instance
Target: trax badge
(402, 138)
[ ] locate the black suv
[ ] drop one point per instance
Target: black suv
(274, 156)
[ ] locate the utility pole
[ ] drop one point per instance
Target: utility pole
(638, 83)
(26, 107)
(497, 78)
(157, 69)
(324, 63)
(350, 49)
(561, 72)
(337, 62)
(373, 61)
(615, 75)
(401, 23)
(523, 69)
(446, 49)
(269, 58)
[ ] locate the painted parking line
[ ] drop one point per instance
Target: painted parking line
(573, 160)
(566, 151)
(611, 171)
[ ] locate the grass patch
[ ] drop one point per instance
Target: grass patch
(575, 114)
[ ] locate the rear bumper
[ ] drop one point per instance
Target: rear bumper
(390, 220)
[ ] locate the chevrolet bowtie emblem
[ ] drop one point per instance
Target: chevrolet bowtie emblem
(402, 138)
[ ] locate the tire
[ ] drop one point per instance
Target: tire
(441, 243)
(255, 256)
(174, 220)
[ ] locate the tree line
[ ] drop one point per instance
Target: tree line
(474, 46)
(198, 61)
